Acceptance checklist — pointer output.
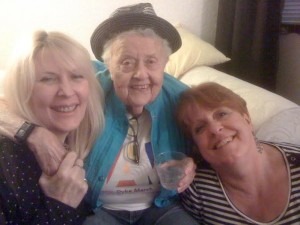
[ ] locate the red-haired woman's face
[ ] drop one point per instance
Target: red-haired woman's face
(221, 134)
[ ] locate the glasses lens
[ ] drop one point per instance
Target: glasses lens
(132, 148)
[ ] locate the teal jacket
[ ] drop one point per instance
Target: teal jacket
(165, 135)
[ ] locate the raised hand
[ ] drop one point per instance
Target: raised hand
(68, 184)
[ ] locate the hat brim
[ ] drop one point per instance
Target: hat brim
(118, 24)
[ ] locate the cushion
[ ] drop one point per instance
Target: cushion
(262, 104)
(282, 127)
(193, 52)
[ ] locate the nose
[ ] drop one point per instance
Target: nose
(65, 88)
(141, 71)
(215, 127)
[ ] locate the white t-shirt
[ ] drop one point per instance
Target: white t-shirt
(131, 186)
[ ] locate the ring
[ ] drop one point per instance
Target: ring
(85, 180)
(78, 165)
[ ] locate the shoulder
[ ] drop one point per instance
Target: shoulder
(286, 147)
(171, 89)
(291, 151)
(172, 84)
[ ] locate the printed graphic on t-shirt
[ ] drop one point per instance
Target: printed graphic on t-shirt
(131, 184)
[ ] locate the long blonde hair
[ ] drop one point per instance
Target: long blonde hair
(20, 78)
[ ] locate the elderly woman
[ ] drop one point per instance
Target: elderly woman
(52, 84)
(239, 179)
(140, 100)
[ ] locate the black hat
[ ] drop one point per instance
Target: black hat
(129, 17)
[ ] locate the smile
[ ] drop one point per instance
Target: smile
(224, 142)
(65, 108)
(140, 87)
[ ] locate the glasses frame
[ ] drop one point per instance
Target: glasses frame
(133, 133)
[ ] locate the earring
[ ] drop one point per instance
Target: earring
(259, 146)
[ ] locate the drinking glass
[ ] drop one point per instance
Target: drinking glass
(170, 168)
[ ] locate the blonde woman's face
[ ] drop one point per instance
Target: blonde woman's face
(60, 96)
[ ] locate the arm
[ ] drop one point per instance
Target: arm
(45, 146)
(9, 122)
(20, 195)
(49, 211)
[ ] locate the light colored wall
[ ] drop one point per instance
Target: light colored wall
(79, 18)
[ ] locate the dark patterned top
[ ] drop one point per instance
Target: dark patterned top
(21, 199)
(206, 201)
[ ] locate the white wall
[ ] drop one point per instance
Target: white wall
(79, 18)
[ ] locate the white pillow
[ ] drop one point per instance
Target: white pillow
(262, 104)
(282, 127)
(193, 52)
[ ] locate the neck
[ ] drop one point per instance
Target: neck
(62, 137)
(253, 171)
(135, 111)
(245, 172)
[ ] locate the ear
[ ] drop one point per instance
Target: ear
(109, 69)
(248, 120)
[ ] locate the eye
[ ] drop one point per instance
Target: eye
(151, 62)
(48, 79)
(199, 129)
(127, 65)
(77, 76)
(222, 114)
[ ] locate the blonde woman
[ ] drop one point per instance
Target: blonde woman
(52, 84)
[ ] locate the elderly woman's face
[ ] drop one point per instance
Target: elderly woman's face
(221, 134)
(60, 96)
(137, 65)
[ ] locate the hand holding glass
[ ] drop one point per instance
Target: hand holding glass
(170, 168)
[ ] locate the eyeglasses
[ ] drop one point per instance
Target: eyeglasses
(132, 148)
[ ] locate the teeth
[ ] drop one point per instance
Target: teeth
(224, 142)
(141, 86)
(65, 108)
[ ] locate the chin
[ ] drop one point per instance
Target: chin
(68, 127)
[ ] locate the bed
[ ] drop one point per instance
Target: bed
(274, 117)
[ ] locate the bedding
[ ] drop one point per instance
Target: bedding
(282, 127)
(193, 52)
(274, 118)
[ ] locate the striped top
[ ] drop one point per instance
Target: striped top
(206, 201)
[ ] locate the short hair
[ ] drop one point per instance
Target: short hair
(145, 32)
(209, 95)
(20, 78)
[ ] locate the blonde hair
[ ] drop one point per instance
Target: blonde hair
(144, 32)
(20, 78)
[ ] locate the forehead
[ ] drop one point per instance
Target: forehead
(193, 111)
(137, 44)
(48, 59)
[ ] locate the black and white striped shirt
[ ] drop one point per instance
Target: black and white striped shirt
(206, 201)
